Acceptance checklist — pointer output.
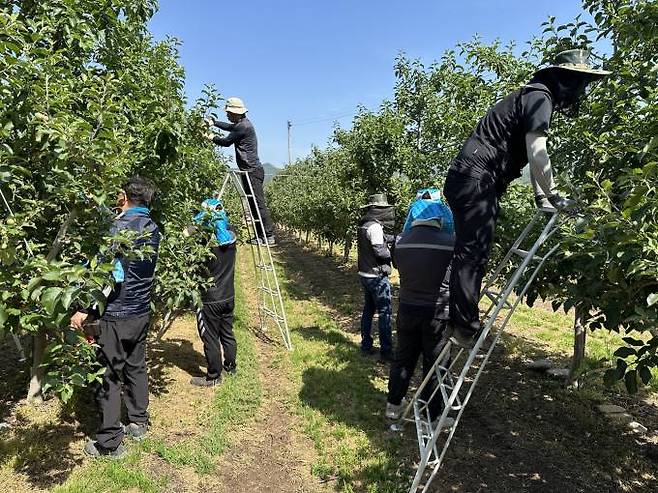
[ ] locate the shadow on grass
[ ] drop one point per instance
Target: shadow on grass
(312, 275)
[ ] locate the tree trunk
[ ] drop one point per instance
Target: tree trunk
(580, 335)
(307, 235)
(36, 380)
(39, 339)
(347, 249)
(331, 248)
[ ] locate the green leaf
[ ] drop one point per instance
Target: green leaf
(624, 352)
(52, 275)
(652, 299)
(3, 315)
(645, 374)
(49, 299)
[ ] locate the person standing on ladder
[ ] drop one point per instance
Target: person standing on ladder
(511, 134)
(374, 262)
(422, 256)
(242, 135)
(215, 318)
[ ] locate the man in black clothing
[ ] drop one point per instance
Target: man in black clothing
(243, 136)
(215, 318)
(122, 327)
(511, 134)
(422, 256)
(374, 263)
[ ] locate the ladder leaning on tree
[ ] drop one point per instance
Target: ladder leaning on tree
(458, 375)
(271, 302)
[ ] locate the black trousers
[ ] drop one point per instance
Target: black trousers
(420, 331)
(215, 325)
(123, 353)
(257, 178)
(474, 205)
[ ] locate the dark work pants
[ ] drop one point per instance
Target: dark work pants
(257, 178)
(376, 299)
(122, 351)
(420, 331)
(215, 325)
(474, 205)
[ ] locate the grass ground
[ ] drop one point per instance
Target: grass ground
(311, 420)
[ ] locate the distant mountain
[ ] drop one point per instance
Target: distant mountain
(270, 171)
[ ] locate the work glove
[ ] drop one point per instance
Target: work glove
(386, 269)
(209, 120)
(210, 136)
(561, 203)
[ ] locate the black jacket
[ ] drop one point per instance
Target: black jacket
(221, 267)
(132, 297)
(243, 136)
(422, 256)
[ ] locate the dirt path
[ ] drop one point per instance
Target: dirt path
(270, 453)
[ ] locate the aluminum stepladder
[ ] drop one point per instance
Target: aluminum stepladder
(271, 307)
(457, 377)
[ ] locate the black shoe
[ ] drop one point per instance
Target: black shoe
(462, 339)
(231, 369)
(92, 449)
(205, 382)
(367, 351)
(386, 356)
(271, 240)
(136, 431)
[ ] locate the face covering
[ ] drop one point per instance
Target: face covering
(384, 215)
(567, 87)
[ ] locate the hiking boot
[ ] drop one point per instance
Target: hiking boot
(395, 411)
(136, 431)
(270, 240)
(205, 382)
(94, 450)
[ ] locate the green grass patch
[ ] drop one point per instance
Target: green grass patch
(110, 476)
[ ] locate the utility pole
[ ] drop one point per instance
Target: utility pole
(289, 146)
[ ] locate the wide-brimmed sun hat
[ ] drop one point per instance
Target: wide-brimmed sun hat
(377, 200)
(235, 105)
(578, 61)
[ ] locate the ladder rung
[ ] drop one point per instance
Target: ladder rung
(524, 253)
(495, 297)
(268, 290)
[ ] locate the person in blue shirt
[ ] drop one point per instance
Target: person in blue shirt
(123, 326)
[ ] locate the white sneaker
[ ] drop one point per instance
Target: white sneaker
(393, 411)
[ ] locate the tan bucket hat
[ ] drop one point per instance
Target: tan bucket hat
(235, 105)
(577, 60)
(377, 200)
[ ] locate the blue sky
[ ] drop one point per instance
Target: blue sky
(312, 60)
